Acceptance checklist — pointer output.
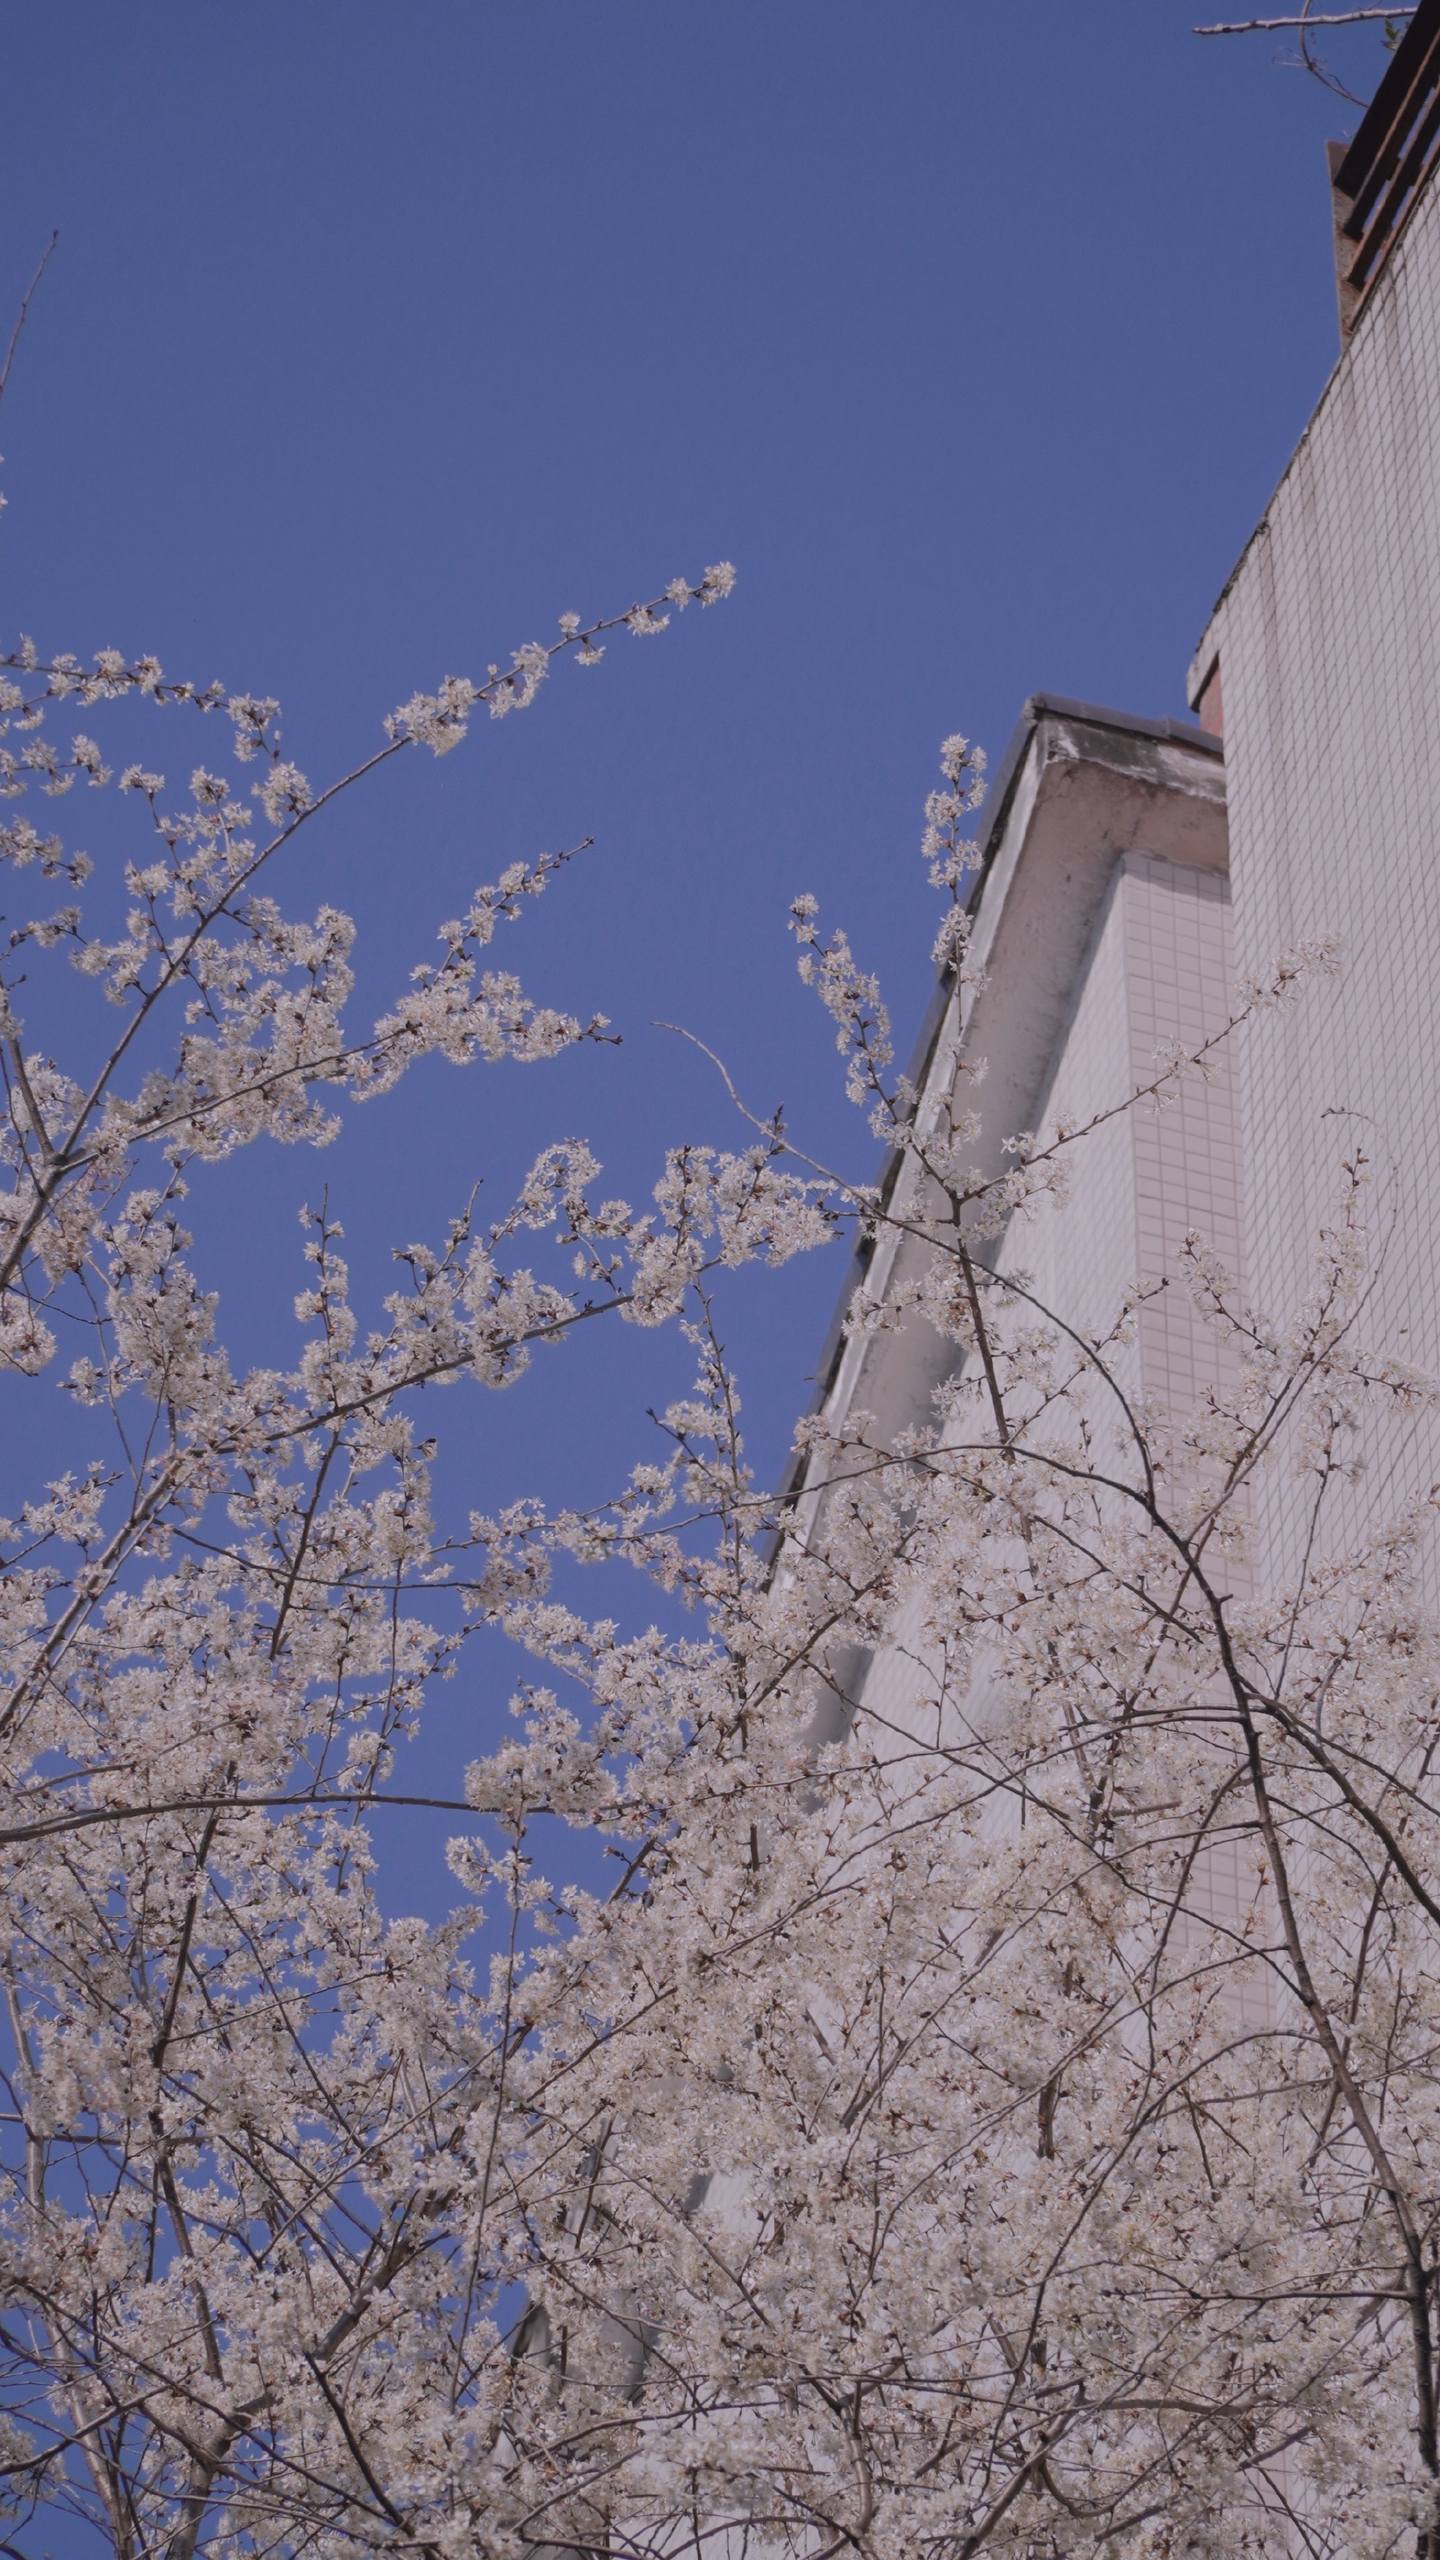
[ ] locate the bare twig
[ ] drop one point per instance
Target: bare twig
(1305, 22)
(1327, 18)
(23, 313)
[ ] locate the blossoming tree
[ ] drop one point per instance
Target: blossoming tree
(912, 2155)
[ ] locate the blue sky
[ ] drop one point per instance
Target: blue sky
(975, 332)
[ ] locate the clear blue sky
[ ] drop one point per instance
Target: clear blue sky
(975, 331)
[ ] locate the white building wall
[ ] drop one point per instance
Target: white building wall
(1179, 980)
(1157, 971)
(1327, 646)
(1081, 1258)
(1159, 974)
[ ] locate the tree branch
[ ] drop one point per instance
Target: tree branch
(24, 311)
(1273, 26)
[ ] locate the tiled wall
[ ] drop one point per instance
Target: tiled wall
(1157, 971)
(1327, 641)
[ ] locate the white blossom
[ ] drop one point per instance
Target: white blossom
(895, 2142)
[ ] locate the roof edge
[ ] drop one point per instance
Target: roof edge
(1037, 708)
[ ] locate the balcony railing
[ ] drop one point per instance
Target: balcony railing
(1379, 176)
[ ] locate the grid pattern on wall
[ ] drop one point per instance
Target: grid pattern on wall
(1157, 971)
(1327, 641)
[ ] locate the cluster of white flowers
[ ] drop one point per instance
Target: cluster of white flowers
(910, 2151)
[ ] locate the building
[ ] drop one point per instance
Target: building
(1134, 870)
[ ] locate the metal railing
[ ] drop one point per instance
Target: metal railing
(1379, 176)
